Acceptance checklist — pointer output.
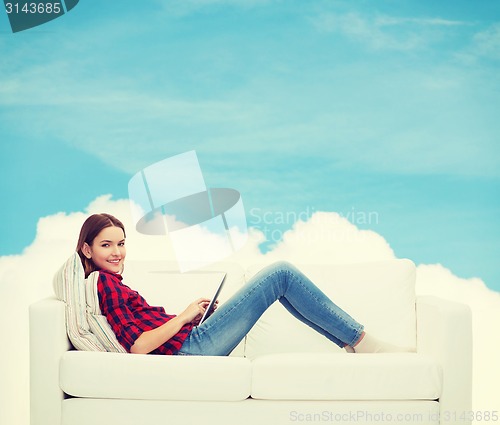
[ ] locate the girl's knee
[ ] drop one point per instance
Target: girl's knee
(285, 266)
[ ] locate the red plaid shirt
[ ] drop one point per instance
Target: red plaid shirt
(130, 315)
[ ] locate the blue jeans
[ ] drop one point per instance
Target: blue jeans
(227, 326)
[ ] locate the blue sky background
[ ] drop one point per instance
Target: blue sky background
(370, 106)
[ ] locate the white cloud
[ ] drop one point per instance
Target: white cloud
(378, 32)
(487, 42)
(384, 20)
(483, 49)
(329, 238)
(105, 113)
(324, 237)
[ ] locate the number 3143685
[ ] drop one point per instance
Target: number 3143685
(33, 8)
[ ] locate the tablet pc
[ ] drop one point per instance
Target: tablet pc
(210, 307)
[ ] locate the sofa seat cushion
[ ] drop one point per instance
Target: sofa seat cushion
(325, 376)
(154, 377)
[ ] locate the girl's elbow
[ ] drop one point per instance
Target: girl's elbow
(137, 349)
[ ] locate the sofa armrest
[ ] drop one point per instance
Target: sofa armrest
(48, 340)
(444, 332)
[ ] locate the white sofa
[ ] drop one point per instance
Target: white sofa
(281, 373)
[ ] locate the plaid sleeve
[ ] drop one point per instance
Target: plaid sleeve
(113, 302)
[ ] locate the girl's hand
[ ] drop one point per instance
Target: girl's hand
(194, 311)
(196, 320)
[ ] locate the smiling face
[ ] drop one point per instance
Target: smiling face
(107, 250)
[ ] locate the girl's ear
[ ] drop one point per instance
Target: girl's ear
(86, 250)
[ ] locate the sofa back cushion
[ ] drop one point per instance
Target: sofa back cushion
(380, 295)
(162, 284)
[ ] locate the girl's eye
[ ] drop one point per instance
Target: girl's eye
(105, 245)
(121, 244)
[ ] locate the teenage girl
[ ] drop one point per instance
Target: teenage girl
(141, 328)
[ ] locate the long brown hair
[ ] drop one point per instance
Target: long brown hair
(90, 229)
